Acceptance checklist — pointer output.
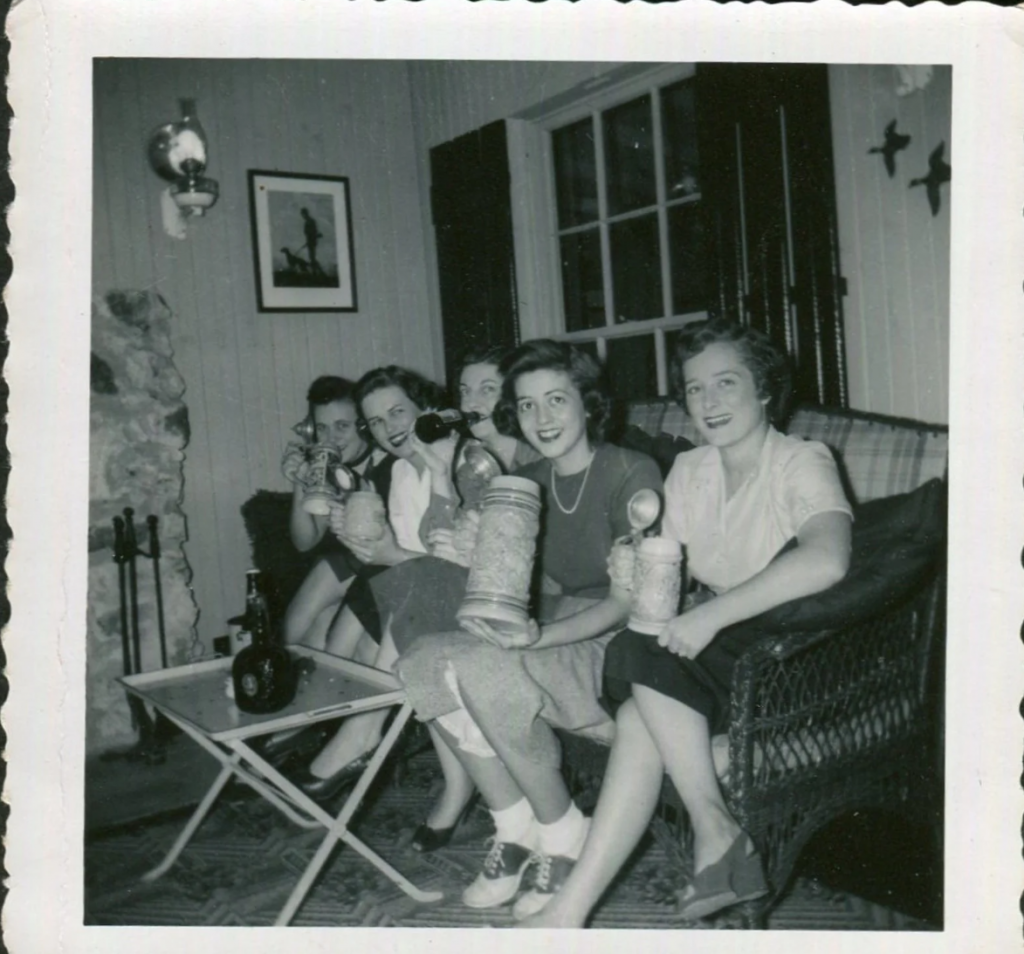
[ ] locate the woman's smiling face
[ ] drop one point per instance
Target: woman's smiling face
(552, 417)
(390, 414)
(479, 390)
(721, 395)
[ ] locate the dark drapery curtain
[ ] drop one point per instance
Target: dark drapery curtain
(472, 211)
(768, 188)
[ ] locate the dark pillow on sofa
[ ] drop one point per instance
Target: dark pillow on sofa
(896, 543)
(664, 448)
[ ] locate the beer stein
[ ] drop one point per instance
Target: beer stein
(498, 588)
(320, 486)
(657, 581)
(365, 516)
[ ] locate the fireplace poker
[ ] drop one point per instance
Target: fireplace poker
(124, 554)
(154, 554)
(119, 558)
(133, 587)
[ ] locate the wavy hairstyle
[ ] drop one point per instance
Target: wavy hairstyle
(543, 354)
(768, 365)
(418, 389)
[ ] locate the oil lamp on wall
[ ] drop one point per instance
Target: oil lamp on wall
(177, 153)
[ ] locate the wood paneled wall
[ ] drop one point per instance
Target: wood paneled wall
(246, 373)
(375, 123)
(894, 252)
(451, 97)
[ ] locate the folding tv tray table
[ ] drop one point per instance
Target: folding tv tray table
(194, 697)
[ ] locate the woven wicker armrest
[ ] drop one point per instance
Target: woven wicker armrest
(820, 701)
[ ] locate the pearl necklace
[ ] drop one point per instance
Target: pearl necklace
(579, 495)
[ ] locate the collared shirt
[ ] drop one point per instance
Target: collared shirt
(730, 540)
(408, 500)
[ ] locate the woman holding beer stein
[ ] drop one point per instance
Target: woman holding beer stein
(495, 706)
(734, 504)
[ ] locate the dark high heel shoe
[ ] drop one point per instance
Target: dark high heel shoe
(324, 789)
(302, 744)
(426, 839)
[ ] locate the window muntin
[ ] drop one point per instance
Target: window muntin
(629, 230)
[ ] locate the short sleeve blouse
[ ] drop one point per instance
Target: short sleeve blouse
(587, 514)
(408, 499)
(729, 541)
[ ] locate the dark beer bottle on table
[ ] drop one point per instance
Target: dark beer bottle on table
(263, 673)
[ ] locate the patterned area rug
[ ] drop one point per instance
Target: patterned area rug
(245, 859)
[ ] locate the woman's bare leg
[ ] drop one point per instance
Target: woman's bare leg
(628, 797)
(458, 786)
(682, 737)
(346, 634)
(320, 589)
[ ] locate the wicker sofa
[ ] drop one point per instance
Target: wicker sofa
(828, 721)
(825, 720)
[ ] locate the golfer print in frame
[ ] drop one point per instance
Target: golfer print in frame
(302, 242)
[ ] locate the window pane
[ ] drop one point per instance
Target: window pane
(636, 269)
(575, 173)
(629, 156)
(632, 368)
(686, 244)
(679, 133)
(582, 287)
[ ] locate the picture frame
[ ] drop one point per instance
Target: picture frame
(302, 242)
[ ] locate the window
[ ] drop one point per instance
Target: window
(626, 260)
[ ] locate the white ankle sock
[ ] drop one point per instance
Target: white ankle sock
(516, 824)
(566, 836)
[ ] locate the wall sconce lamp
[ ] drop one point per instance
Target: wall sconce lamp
(177, 152)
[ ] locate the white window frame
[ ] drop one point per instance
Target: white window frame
(535, 213)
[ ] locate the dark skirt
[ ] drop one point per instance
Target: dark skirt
(703, 684)
(359, 598)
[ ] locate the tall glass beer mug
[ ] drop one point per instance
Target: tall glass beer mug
(498, 588)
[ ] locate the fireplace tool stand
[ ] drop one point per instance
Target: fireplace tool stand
(153, 731)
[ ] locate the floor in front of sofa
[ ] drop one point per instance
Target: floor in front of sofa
(243, 862)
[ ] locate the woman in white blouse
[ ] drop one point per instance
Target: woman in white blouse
(734, 504)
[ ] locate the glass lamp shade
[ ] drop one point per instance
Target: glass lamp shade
(177, 153)
(194, 195)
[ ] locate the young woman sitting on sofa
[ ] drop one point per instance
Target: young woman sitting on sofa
(733, 504)
(337, 422)
(495, 707)
(389, 399)
(345, 756)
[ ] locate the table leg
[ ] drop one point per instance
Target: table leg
(193, 823)
(337, 830)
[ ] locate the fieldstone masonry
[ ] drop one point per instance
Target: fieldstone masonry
(138, 427)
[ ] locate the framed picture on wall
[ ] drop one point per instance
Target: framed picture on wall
(302, 242)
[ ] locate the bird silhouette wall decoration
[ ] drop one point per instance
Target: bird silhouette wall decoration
(894, 142)
(939, 172)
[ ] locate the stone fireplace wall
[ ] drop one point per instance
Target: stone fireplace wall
(138, 432)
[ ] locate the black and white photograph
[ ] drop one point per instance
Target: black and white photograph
(609, 564)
